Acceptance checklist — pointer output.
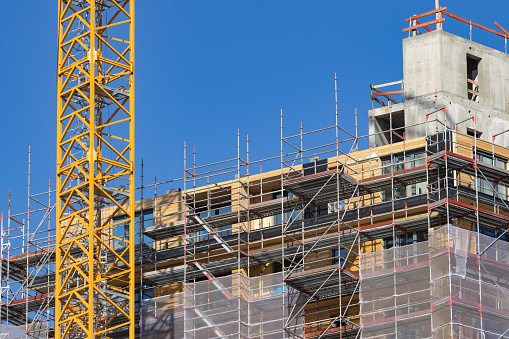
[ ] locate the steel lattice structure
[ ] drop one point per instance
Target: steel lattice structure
(95, 169)
(339, 235)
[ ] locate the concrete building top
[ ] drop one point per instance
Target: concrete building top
(442, 69)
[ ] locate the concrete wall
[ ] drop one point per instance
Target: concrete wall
(435, 75)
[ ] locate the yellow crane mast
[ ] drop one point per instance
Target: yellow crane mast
(95, 240)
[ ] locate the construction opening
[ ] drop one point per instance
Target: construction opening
(400, 233)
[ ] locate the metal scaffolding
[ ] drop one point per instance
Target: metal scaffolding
(320, 211)
(338, 239)
(333, 221)
(27, 267)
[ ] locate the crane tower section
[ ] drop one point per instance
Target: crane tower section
(95, 170)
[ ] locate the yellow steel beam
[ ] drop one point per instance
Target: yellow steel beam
(95, 169)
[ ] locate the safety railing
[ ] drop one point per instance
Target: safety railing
(386, 97)
(416, 27)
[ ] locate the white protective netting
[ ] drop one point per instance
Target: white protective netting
(394, 293)
(37, 330)
(163, 317)
(238, 307)
(440, 289)
(227, 307)
(470, 297)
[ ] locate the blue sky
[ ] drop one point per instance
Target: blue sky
(207, 68)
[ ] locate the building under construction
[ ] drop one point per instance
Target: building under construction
(400, 233)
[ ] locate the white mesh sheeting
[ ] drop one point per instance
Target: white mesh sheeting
(470, 296)
(163, 317)
(230, 307)
(394, 293)
(35, 331)
(237, 307)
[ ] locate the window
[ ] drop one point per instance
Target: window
(398, 164)
(485, 186)
(204, 235)
(288, 217)
(473, 78)
(336, 254)
(415, 159)
(398, 192)
(401, 162)
(406, 239)
(487, 231)
(122, 229)
(222, 231)
(415, 189)
(316, 211)
(315, 165)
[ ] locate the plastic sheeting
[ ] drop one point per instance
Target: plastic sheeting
(470, 297)
(35, 331)
(163, 317)
(227, 307)
(440, 289)
(394, 293)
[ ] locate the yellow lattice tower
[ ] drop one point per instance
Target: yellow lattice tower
(95, 170)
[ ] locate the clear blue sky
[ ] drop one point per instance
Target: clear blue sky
(207, 68)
